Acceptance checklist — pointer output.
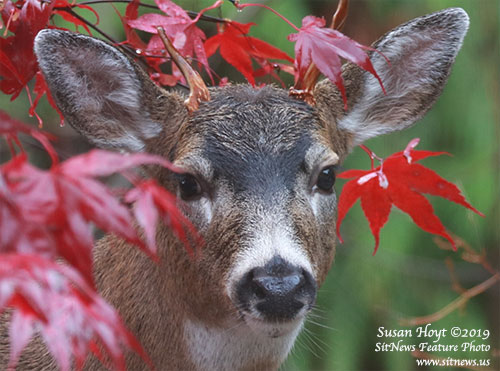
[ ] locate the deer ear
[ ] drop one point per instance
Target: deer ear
(421, 53)
(100, 92)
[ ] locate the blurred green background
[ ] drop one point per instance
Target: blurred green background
(408, 276)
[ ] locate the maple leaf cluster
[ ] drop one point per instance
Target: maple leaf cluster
(66, 310)
(238, 49)
(23, 20)
(179, 27)
(235, 45)
(50, 214)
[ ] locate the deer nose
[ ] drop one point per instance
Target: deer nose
(277, 291)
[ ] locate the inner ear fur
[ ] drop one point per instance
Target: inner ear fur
(103, 94)
(421, 53)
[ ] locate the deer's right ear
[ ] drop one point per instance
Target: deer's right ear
(421, 53)
(101, 93)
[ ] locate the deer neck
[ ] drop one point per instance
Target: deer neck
(235, 348)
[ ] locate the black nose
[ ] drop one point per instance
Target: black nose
(277, 291)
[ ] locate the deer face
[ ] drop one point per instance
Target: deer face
(258, 184)
(258, 166)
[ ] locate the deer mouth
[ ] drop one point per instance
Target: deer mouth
(273, 329)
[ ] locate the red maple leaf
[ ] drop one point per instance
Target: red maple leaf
(179, 27)
(151, 53)
(398, 181)
(40, 89)
(324, 47)
(152, 202)
(64, 9)
(10, 127)
(237, 48)
(131, 13)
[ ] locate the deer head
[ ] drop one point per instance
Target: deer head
(258, 173)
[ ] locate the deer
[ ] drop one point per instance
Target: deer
(257, 181)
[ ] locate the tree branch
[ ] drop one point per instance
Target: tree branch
(192, 14)
(458, 302)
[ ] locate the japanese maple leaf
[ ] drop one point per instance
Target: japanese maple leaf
(237, 48)
(399, 181)
(179, 27)
(324, 47)
(66, 206)
(58, 206)
(18, 64)
(151, 52)
(45, 215)
(10, 127)
(40, 90)
(64, 9)
(56, 300)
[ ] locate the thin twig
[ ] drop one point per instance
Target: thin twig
(469, 255)
(458, 302)
(97, 29)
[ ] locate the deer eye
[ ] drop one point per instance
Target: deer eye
(326, 179)
(189, 187)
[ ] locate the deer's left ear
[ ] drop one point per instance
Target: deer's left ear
(103, 94)
(421, 53)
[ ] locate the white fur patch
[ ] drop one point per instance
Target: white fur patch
(323, 205)
(206, 207)
(236, 347)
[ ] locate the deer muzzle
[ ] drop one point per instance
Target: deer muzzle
(277, 292)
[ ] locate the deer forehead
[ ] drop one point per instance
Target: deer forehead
(257, 140)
